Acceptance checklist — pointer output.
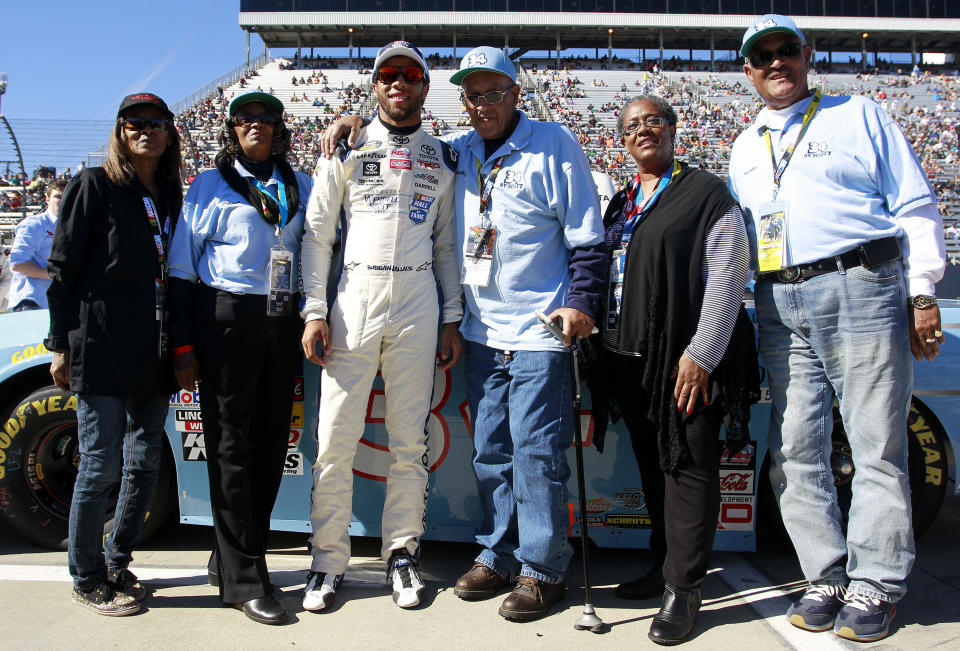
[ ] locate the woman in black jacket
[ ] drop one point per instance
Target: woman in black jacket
(677, 355)
(109, 340)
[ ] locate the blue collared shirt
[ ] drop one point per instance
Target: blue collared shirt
(32, 242)
(852, 175)
(224, 242)
(543, 204)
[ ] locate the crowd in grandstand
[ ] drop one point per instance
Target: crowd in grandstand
(711, 111)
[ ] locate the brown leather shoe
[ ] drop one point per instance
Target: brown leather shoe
(531, 599)
(479, 583)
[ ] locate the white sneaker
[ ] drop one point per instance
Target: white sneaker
(320, 590)
(407, 585)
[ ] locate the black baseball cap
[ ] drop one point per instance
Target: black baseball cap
(140, 99)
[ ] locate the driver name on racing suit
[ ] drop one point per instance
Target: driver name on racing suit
(391, 199)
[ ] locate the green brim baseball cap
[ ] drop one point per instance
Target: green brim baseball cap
(768, 24)
(267, 99)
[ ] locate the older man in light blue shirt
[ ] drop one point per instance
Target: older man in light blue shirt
(848, 244)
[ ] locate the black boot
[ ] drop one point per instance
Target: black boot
(674, 623)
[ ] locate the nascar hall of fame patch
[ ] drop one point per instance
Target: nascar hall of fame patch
(371, 168)
(421, 201)
(193, 446)
(418, 216)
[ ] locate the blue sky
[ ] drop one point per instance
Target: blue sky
(78, 58)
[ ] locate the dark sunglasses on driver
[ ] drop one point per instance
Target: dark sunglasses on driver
(389, 74)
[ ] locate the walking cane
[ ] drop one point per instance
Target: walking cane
(589, 619)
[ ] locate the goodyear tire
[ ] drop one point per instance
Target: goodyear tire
(926, 463)
(38, 467)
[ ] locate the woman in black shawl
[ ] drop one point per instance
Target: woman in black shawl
(677, 357)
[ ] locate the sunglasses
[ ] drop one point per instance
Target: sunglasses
(654, 122)
(245, 119)
(490, 97)
(410, 74)
(139, 124)
(761, 58)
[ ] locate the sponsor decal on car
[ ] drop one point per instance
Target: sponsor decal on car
(627, 521)
(294, 464)
(736, 481)
(630, 499)
(598, 505)
(193, 446)
(736, 513)
(742, 459)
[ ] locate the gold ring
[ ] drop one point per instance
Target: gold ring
(938, 333)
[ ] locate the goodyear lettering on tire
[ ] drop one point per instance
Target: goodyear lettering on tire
(19, 418)
(933, 460)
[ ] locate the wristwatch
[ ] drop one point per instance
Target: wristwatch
(922, 301)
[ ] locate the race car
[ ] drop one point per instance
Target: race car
(39, 456)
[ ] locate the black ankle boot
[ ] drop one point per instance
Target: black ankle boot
(674, 623)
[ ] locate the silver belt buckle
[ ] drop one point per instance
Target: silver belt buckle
(788, 275)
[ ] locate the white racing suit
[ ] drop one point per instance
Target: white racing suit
(391, 199)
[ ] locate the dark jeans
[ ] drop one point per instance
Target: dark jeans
(121, 440)
(248, 362)
(683, 506)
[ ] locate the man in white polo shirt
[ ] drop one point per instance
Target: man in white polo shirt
(848, 246)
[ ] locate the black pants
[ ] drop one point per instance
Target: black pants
(248, 362)
(683, 506)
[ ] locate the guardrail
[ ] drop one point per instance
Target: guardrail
(225, 80)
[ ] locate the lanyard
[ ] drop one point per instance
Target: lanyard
(779, 169)
(486, 186)
(281, 199)
(637, 211)
(158, 238)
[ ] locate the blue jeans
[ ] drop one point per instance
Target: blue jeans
(843, 334)
(121, 440)
(521, 406)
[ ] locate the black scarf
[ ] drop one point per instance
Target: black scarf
(246, 188)
(660, 310)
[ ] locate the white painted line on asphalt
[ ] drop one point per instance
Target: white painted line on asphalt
(357, 578)
(770, 602)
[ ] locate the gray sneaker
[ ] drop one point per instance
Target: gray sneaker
(125, 581)
(104, 600)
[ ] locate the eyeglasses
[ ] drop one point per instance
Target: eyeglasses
(389, 74)
(244, 119)
(761, 58)
(139, 124)
(653, 121)
(490, 97)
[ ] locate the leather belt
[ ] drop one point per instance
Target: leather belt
(869, 254)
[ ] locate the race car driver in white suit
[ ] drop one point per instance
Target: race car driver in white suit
(391, 200)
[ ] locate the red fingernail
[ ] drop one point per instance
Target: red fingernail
(690, 411)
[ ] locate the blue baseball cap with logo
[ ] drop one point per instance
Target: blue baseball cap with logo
(485, 59)
(768, 24)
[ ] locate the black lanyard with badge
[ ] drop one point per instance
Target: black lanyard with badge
(161, 307)
(774, 215)
(478, 257)
(280, 268)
